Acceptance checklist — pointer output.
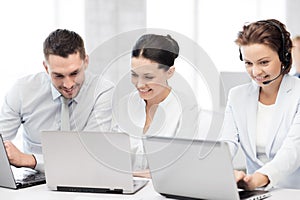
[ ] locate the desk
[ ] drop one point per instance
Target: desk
(147, 193)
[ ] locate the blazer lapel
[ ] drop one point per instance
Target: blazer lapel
(284, 89)
(251, 112)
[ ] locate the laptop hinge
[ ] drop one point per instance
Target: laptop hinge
(87, 189)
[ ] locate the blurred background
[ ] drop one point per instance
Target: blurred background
(211, 24)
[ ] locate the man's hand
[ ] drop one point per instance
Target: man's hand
(17, 158)
(143, 173)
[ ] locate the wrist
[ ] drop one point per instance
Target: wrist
(29, 161)
(262, 180)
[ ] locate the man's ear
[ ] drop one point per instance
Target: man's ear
(171, 71)
(86, 61)
(46, 67)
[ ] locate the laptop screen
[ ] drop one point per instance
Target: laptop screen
(88, 161)
(191, 168)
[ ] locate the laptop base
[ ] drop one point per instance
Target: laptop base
(179, 197)
(25, 185)
(89, 190)
(138, 185)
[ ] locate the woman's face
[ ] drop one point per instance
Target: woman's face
(262, 63)
(150, 81)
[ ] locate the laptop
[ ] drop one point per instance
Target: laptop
(97, 162)
(16, 178)
(194, 169)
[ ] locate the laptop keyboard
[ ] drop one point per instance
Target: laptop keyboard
(257, 194)
(23, 175)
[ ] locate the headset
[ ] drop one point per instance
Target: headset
(284, 55)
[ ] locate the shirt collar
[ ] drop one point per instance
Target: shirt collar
(55, 93)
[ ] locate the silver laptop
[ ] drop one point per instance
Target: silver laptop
(89, 162)
(15, 178)
(182, 168)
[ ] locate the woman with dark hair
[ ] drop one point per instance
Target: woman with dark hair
(263, 116)
(154, 108)
(152, 64)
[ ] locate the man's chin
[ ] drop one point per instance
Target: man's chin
(69, 95)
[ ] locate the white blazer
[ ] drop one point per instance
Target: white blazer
(283, 145)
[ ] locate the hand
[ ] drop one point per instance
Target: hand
(142, 173)
(17, 158)
(239, 175)
(251, 182)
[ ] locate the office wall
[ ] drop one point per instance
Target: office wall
(293, 16)
(105, 19)
(104, 22)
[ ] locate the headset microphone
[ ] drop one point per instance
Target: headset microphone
(269, 81)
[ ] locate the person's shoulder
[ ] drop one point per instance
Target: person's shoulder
(33, 79)
(293, 82)
(98, 82)
(185, 97)
(242, 91)
(293, 78)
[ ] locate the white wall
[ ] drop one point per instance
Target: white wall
(212, 24)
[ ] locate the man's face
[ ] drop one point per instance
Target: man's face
(67, 74)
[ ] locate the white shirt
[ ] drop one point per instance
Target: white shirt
(34, 102)
(264, 121)
(165, 122)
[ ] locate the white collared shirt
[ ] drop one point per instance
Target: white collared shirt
(131, 117)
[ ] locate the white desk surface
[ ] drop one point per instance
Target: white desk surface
(147, 193)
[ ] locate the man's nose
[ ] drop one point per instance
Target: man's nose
(68, 82)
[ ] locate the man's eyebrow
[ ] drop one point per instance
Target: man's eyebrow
(75, 71)
(57, 74)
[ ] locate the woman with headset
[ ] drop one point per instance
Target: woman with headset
(263, 116)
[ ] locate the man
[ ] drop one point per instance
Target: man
(296, 55)
(35, 101)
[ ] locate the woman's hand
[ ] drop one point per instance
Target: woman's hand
(251, 181)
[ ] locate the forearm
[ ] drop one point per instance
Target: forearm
(260, 180)
(28, 161)
(18, 158)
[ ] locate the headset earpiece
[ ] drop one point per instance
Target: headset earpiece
(241, 56)
(287, 59)
(284, 55)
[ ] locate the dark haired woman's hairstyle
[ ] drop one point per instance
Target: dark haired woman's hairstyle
(158, 48)
(269, 32)
(62, 42)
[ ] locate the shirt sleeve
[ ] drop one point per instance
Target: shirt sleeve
(39, 162)
(229, 131)
(10, 117)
